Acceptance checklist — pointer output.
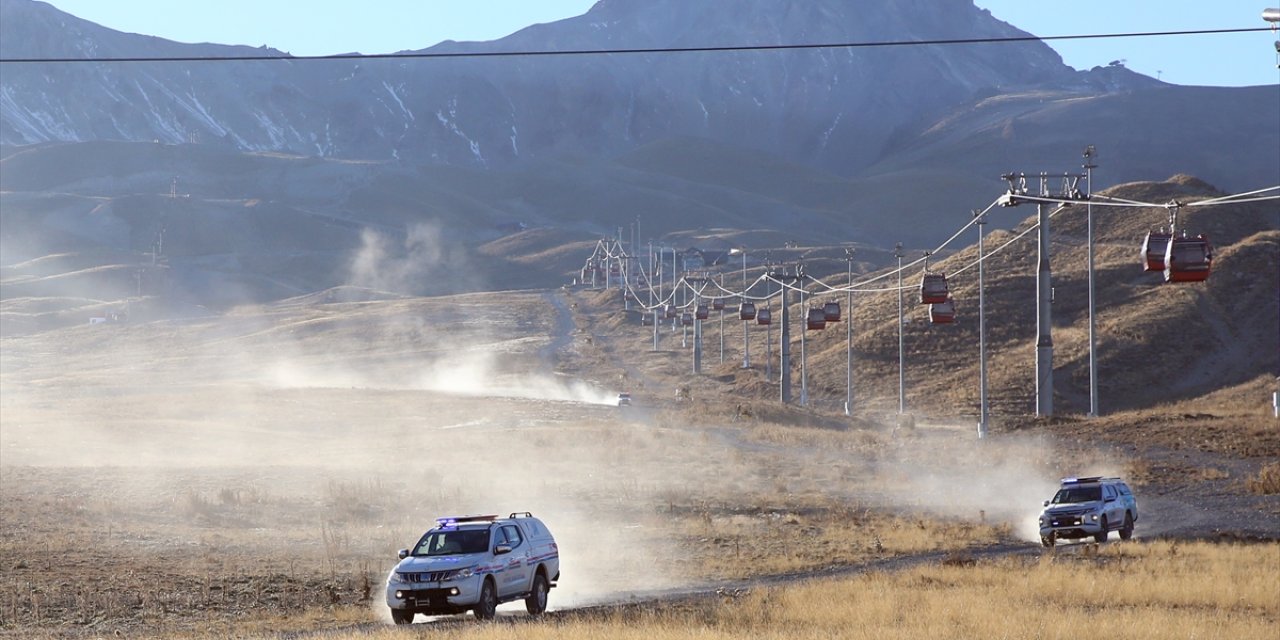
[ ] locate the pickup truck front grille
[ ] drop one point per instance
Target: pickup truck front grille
(428, 576)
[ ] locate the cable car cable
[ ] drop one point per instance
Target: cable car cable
(620, 51)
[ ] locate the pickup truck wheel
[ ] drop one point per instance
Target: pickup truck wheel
(1126, 531)
(487, 608)
(1048, 540)
(536, 603)
(1101, 536)
(400, 616)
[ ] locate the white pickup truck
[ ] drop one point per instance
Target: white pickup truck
(475, 563)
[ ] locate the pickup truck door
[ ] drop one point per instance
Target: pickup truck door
(515, 575)
(1112, 506)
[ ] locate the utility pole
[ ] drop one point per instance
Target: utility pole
(722, 323)
(1089, 154)
(902, 401)
(804, 362)
(746, 336)
(982, 328)
(655, 328)
(848, 328)
(784, 336)
(697, 323)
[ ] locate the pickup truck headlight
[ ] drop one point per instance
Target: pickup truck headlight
(461, 574)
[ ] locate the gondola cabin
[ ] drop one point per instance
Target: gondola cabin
(1154, 246)
(686, 319)
(816, 319)
(669, 312)
(718, 304)
(933, 288)
(764, 317)
(943, 312)
(747, 311)
(702, 312)
(1188, 259)
(831, 311)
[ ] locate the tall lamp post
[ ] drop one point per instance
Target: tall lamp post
(1089, 154)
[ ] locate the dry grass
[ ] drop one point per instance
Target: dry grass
(1267, 482)
(1161, 589)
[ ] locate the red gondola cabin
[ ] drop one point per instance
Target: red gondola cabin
(764, 317)
(1188, 259)
(747, 311)
(816, 319)
(943, 312)
(933, 288)
(1154, 246)
(831, 311)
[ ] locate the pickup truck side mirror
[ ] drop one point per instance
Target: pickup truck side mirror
(1110, 500)
(1046, 503)
(404, 553)
(501, 549)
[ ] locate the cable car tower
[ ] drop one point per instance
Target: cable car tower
(1044, 282)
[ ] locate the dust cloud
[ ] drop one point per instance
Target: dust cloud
(423, 262)
(355, 422)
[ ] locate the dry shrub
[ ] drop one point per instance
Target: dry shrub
(1267, 482)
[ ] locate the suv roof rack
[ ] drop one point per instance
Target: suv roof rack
(521, 514)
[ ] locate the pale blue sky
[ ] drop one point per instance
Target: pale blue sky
(318, 27)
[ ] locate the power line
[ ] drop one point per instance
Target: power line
(647, 50)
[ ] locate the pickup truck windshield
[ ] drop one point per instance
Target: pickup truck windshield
(1078, 494)
(453, 542)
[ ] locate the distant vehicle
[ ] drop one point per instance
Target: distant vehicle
(1084, 507)
(624, 399)
(474, 563)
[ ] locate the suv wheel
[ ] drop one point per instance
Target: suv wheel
(1101, 536)
(536, 603)
(487, 608)
(401, 616)
(1048, 540)
(1126, 531)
